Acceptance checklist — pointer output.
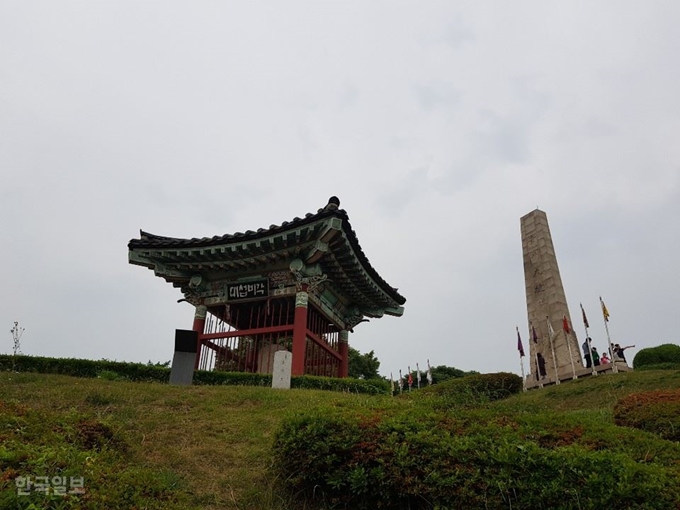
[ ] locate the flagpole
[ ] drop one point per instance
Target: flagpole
(551, 332)
(538, 372)
(534, 337)
(571, 356)
(400, 381)
(520, 348)
(605, 316)
(615, 369)
(590, 352)
(590, 347)
(566, 339)
(418, 372)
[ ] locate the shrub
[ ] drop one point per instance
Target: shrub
(666, 353)
(108, 375)
(212, 378)
(370, 386)
(86, 368)
(660, 366)
(344, 460)
(111, 370)
(473, 389)
(653, 411)
(347, 384)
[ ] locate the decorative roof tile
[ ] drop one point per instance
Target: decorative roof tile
(147, 240)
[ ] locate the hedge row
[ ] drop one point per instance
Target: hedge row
(474, 389)
(154, 373)
(660, 366)
(370, 386)
(333, 458)
(653, 411)
(665, 353)
(85, 367)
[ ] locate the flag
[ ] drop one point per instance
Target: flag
(391, 383)
(520, 347)
(418, 372)
(401, 380)
(565, 325)
(533, 333)
(605, 312)
(410, 378)
(429, 373)
(551, 331)
(585, 319)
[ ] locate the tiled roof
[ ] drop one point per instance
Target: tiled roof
(332, 210)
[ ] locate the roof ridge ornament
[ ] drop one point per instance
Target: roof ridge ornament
(333, 204)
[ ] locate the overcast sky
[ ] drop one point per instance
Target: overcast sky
(437, 124)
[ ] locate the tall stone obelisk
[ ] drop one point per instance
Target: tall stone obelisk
(546, 300)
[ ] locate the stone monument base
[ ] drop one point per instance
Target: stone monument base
(532, 383)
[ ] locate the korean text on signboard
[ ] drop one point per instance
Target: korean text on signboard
(249, 290)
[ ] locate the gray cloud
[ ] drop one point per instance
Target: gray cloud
(437, 125)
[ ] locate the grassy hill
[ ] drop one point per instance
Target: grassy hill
(150, 445)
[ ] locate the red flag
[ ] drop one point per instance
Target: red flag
(410, 379)
(565, 325)
(585, 319)
(520, 347)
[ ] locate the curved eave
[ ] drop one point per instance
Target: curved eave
(316, 237)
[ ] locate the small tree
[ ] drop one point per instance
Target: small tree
(16, 332)
(363, 366)
(443, 373)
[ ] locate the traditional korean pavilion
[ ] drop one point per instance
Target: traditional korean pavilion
(301, 286)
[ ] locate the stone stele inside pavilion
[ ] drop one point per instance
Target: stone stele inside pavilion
(301, 286)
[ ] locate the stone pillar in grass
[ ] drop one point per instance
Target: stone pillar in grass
(283, 361)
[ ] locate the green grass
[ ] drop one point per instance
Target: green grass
(201, 446)
(151, 445)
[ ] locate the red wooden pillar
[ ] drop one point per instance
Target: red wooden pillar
(199, 326)
(300, 332)
(343, 350)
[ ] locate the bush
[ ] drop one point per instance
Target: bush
(108, 375)
(112, 370)
(660, 366)
(473, 389)
(216, 378)
(666, 353)
(370, 386)
(653, 411)
(343, 460)
(86, 368)
(347, 384)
